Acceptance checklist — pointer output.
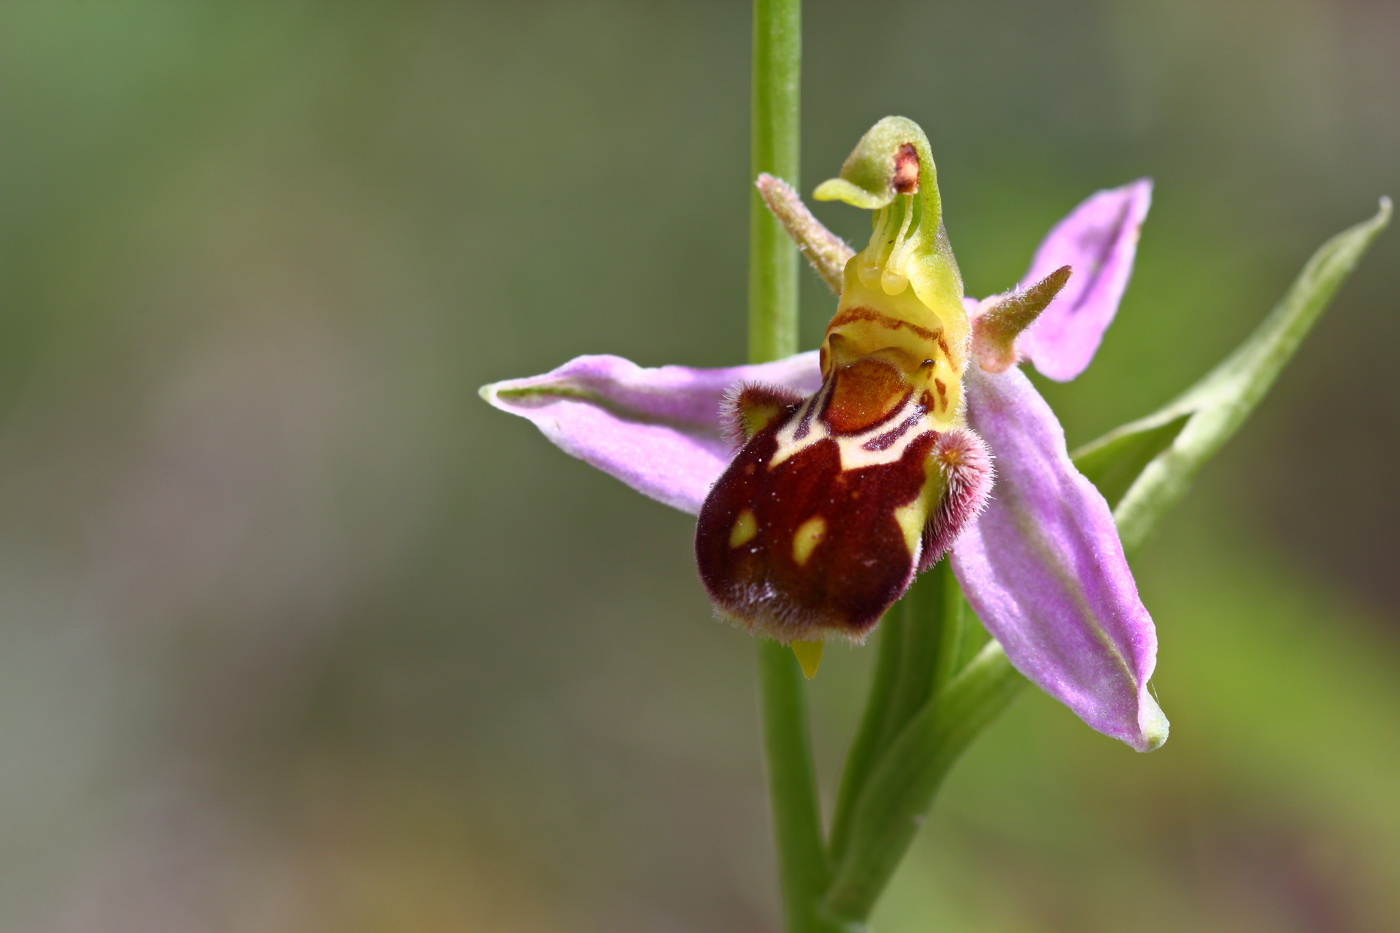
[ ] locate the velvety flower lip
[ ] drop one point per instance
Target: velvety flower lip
(1042, 565)
(1098, 240)
(1045, 572)
(656, 429)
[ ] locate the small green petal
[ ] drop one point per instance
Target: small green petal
(1002, 319)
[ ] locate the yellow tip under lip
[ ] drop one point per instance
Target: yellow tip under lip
(809, 655)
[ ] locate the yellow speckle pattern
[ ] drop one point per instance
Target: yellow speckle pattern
(808, 535)
(809, 655)
(744, 530)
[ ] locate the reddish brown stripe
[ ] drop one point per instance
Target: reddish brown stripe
(805, 425)
(942, 394)
(882, 441)
(889, 321)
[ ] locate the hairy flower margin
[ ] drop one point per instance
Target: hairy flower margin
(1042, 565)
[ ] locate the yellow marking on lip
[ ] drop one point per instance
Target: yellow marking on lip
(805, 540)
(910, 519)
(744, 530)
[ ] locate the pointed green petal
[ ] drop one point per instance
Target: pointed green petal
(1004, 317)
(1114, 462)
(1189, 430)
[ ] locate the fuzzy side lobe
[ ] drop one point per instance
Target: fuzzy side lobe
(964, 465)
(750, 407)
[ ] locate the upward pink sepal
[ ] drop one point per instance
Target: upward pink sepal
(1098, 241)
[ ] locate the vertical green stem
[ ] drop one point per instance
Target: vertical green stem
(952, 626)
(777, 68)
(919, 641)
(899, 790)
(873, 731)
(803, 866)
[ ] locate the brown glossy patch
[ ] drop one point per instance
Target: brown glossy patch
(888, 321)
(863, 394)
(859, 566)
(906, 170)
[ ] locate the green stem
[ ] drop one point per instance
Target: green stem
(803, 866)
(777, 68)
(922, 606)
(952, 626)
(911, 637)
(873, 731)
(898, 792)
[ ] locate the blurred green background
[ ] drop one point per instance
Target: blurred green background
(296, 634)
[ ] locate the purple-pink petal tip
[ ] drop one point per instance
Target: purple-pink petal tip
(1044, 570)
(1098, 240)
(659, 430)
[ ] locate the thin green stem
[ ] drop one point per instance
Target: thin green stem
(922, 606)
(898, 792)
(902, 683)
(803, 866)
(920, 641)
(874, 727)
(773, 267)
(952, 626)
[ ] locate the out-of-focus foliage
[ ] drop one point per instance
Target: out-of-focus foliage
(297, 634)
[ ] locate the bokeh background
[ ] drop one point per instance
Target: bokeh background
(296, 634)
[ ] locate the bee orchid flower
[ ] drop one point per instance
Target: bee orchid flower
(825, 482)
